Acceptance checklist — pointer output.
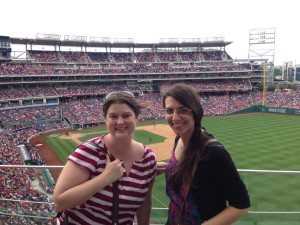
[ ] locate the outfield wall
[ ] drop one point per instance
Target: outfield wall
(261, 108)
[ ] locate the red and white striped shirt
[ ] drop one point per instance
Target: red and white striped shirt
(132, 188)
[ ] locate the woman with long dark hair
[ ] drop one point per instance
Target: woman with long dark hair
(203, 183)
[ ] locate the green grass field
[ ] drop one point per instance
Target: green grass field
(255, 141)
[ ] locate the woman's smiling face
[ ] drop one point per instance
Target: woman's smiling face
(181, 120)
(120, 120)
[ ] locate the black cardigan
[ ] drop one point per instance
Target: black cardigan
(217, 183)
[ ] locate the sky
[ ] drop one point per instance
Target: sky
(149, 21)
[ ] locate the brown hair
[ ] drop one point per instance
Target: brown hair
(119, 98)
(188, 97)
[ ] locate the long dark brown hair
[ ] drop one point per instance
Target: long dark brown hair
(189, 98)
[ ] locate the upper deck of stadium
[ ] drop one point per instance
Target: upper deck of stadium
(105, 42)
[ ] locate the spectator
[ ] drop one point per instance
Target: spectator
(200, 196)
(88, 176)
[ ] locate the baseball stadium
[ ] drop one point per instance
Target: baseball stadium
(52, 90)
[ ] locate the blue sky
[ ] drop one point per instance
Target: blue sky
(148, 21)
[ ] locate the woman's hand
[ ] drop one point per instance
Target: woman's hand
(114, 169)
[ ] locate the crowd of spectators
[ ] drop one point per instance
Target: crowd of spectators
(76, 63)
(25, 114)
(38, 108)
(125, 57)
(18, 186)
(113, 68)
(25, 196)
(218, 97)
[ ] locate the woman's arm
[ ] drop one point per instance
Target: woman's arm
(234, 189)
(144, 211)
(227, 217)
(160, 168)
(73, 186)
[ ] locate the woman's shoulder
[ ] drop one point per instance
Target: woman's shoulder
(94, 144)
(97, 140)
(215, 149)
(144, 150)
(148, 151)
(141, 146)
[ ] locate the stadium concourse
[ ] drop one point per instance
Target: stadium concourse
(52, 90)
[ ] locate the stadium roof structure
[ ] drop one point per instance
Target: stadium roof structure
(83, 43)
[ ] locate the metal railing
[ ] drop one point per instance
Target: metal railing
(274, 199)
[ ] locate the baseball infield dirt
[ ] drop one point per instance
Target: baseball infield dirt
(161, 150)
